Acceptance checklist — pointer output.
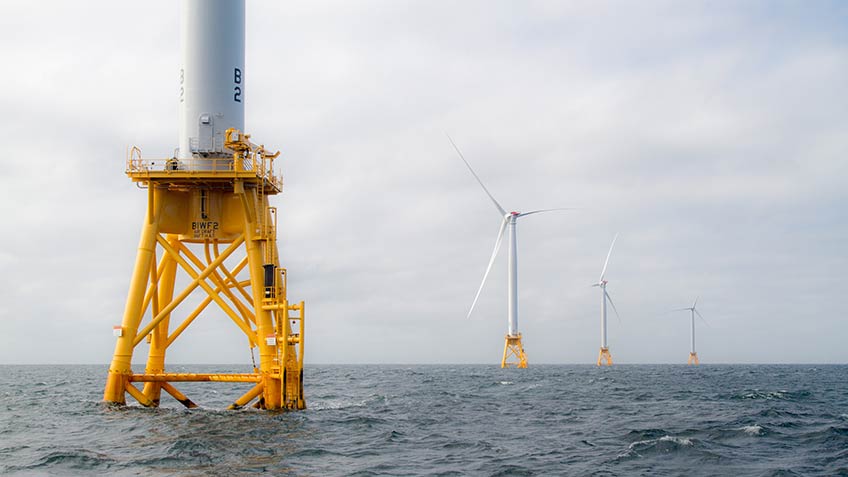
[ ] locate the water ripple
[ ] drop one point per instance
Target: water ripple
(442, 420)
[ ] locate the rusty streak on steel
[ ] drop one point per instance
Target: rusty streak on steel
(170, 389)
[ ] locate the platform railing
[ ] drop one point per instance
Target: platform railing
(261, 165)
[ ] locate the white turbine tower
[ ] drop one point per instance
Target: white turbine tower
(512, 346)
(604, 354)
(693, 356)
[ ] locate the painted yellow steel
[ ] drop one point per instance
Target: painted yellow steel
(170, 389)
(187, 291)
(693, 359)
(513, 355)
(201, 280)
(208, 202)
(206, 301)
(159, 336)
(121, 366)
(247, 397)
(246, 315)
(195, 377)
(139, 396)
(604, 357)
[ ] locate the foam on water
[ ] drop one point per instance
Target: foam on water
(763, 395)
(753, 430)
(336, 404)
(665, 444)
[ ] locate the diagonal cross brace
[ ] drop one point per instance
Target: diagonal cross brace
(197, 280)
(201, 281)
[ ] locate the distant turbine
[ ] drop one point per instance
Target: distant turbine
(604, 354)
(693, 356)
(512, 346)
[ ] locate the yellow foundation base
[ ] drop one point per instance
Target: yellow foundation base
(693, 359)
(513, 355)
(604, 357)
(195, 208)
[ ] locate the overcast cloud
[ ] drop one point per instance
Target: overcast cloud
(711, 135)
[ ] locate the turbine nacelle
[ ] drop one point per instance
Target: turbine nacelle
(694, 310)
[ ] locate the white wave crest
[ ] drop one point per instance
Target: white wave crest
(753, 430)
(677, 440)
(650, 442)
(768, 395)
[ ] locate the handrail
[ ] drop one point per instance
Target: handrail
(256, 161)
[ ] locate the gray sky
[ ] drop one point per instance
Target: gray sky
(710, 135)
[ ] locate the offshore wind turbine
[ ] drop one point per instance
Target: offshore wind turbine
(513, 347)
(604, 354)
(693, 356)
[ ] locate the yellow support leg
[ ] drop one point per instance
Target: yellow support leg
(120, 368)
(513, 348)
(269, 364)
(159, 335)
(604, 357)
(693, 359)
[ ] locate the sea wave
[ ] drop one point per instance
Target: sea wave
(666, 444)
(753, 430)
(442, 420)
(773, 395)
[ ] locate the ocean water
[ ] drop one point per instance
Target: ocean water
(442, 420)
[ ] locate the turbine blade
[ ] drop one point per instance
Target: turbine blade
(489, 268)
(501, 209)
(596, 285)
(668, 312)
(604, 271)
(696, 302)
(613, 305)
(701, 317)
(546, 210)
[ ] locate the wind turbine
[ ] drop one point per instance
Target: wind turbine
(604, 354)
(513, 348)
(693, 356)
